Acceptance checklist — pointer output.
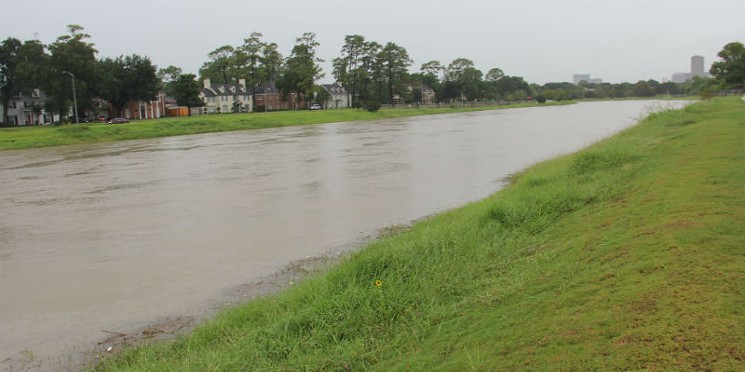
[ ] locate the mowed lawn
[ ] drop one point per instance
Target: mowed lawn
(628, 255)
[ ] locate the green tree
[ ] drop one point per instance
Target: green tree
(702, 86)
(472, 84)
(562, 91)
(491, 78)
(643, 89)
(33, 65)
(72, 53)
(668, 88)
(369, 72)
(23, 67)
(432, 72)
(731, 69)
(455, 69)
(454, 76)
(518, 95)
(223, 66)
(302, 67)
(9, 84)
(346, 67)
(167, 76)
(127, 79)
(513, 87)
(185, 89)
(272, 61)
(254, 70)
(320, 95)
(494, 75)
(395, 62)
(621, 90)
(554, 94)
(463, 81)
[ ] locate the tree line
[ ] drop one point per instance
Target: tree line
(373, 73)
(30, 65)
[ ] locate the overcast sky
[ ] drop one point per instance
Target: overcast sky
(540, 40)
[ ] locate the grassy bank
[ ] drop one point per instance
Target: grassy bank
(629, 255)
(30, 137)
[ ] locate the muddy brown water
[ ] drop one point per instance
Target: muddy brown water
(105, 238)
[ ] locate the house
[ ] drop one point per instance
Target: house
(428, 94)
(268, 97)
(422, 94)
(28, 110)
(226, 98)
(339, 98)
(154, 109)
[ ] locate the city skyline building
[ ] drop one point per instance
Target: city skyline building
(697, 69)
(587, 78)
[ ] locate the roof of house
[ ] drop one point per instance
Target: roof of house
(421, 86)
(334, 88)
(267, 88)
(224, 90)
(427, 88)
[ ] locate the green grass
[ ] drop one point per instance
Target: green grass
(31, 137)
(629, 255)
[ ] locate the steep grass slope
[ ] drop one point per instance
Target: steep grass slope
(629, 255)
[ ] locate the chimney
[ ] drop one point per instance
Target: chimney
(242, 83)
(207, 84)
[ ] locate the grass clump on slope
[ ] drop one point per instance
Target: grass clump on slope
(629, 255)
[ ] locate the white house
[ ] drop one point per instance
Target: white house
(339, 97)
(28, 110)
(226, 98)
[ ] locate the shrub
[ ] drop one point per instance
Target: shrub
(373, 106)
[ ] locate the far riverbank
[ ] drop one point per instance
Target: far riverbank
(71, 134)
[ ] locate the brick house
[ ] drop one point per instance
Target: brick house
(154, 109)
(268, 97)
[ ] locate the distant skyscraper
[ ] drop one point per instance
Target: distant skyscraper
(578, 78)
(697, 69)
(697, 66)
(587, 79)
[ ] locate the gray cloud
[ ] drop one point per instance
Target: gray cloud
(541, 40)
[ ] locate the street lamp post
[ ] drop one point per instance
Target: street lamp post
(74, 95)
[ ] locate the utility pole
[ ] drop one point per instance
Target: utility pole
(74, 96)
